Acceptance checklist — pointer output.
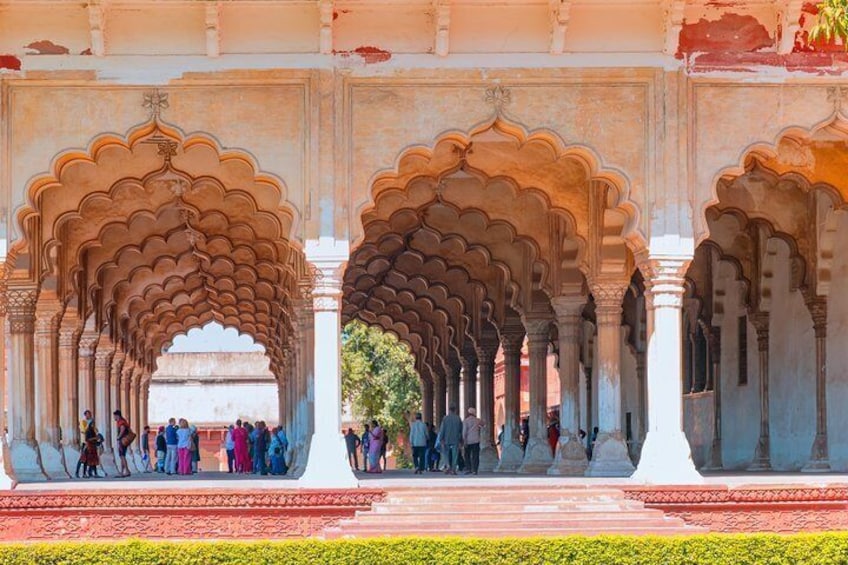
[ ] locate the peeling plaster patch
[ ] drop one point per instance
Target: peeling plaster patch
(47, 47)
(86, 51)
(368, 53)
(802, 36)
(730, 33)
(831, 64)
(10, 62)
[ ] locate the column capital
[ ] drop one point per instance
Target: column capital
(48, 311)
(817, 305)
(760, 320)
(664, 280)
(537, 327)
(87, 343)
(21, 301)
(608, 296)
(568, 311)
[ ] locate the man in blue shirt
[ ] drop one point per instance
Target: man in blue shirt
(171, 444)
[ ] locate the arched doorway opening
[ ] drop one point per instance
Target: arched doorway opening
(212, 376)
(762, 295)
(379, 383)
(486, 241)
(123, 247)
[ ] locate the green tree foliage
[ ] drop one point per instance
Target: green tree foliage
(378, 378)
(832, 22)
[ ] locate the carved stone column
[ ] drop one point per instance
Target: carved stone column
(6, 472)
(301, 421)
(69, 412)
(102, 413)
(453, 380)
(427, 400)
(610, 457)
(134, 386)
(512, 339)
(716, 463)
(762, 453)
(48, 312)
(327, 465)
(666, 457)
(26, 459)
(469, 381)
(537, 456)
(570, 456)
(819, 453)
(439, 395)
(486, 352)
(85, 368)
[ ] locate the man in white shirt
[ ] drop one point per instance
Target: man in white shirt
(418, 440)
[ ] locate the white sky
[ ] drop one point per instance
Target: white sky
(213, 337)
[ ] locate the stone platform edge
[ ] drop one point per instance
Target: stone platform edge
(751, 508)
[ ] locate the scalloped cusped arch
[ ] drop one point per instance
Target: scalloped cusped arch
(157, 233)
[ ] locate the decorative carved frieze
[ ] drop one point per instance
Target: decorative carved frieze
(21, 309)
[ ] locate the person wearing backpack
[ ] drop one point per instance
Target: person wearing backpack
(124, 438)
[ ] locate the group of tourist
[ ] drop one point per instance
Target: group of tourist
(92, 445)
(251, 448)
(373, 444)
(256, 449)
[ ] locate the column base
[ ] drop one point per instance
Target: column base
(26, 461)
(488, 458)
(511, 457)
(762, 456)
(667, 460)
(298, 460)
(819, 460)
(715, 463)
(610, 457)
(53, 461)
(109, 463)
(537, 458)
(71, 456)
(327, 466)
(570, 460)
(134, 459)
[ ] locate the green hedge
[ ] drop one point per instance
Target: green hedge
(811, 549)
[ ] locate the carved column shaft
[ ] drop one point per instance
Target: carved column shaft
(537, 455)
(512, 339)
(486, 353)
(762, 453)
(469, 382)
(327, 464)
(21, 313)
(69, 382)
(427, 400)
(439, 395)
(665, 456)
(46, 376)
(610, 456)
(716, 461)
(102, 371)
(819, 452)
(453, 381)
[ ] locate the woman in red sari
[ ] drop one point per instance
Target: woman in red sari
(243, 463)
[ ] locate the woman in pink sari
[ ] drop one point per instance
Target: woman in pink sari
(243, 464)
(377, 440)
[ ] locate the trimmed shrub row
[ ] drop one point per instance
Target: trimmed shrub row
(810, 549)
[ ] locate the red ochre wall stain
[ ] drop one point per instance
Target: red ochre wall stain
(10, 62)
(373, 54)
(731, 32)
(368, 53)
(47, 47)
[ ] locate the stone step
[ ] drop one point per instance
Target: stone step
(483, 532)
(504, 496)
(526, 517)
(504, 507)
